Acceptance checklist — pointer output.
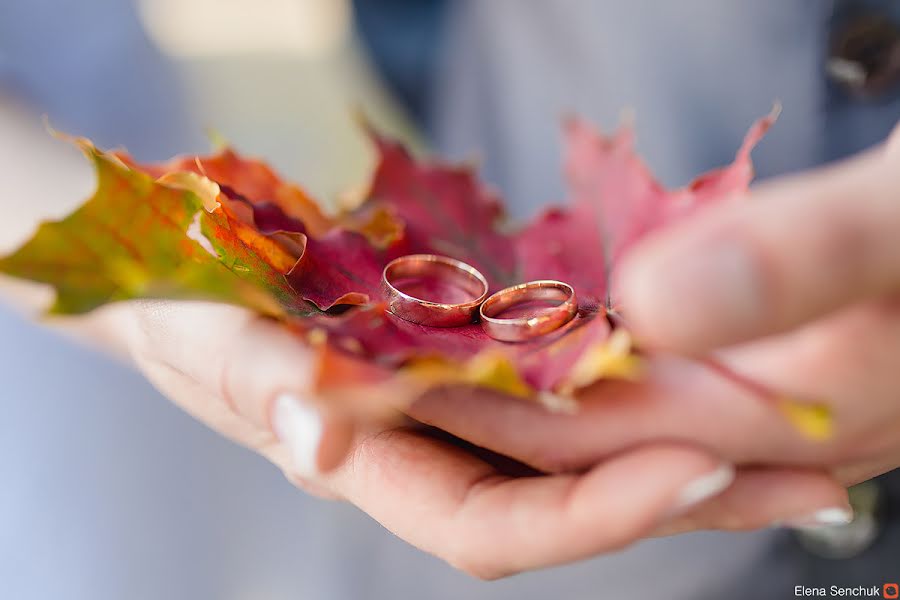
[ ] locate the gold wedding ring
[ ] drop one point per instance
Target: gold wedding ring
(545, 319)
(462, 276)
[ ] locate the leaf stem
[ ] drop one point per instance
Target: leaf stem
(751, 385)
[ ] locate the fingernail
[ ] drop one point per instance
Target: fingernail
(704, 487)
(835, 515)
(299, 427)
(680, 291)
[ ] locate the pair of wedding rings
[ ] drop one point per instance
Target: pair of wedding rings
(557, 302)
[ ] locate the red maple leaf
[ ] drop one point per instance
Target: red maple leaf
(264, 243)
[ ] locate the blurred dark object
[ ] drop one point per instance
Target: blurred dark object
(861, 553)
(847, 541)
(865, 54)
(403, 38)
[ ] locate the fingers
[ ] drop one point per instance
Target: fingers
(796, 249)
(678, 400)
(764, 497)
(448, 502)
(840, 361)
(208, 357)
(681, 400)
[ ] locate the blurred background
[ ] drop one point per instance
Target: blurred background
(108, 492)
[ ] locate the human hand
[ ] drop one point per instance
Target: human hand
(247, 378)
(800, 283)
(797, 287)
(467, 509)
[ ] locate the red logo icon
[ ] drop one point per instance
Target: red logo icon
(891, 591)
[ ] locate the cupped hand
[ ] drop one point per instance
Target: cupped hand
(797, 282)
(248, 378)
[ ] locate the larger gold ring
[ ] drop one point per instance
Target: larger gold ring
(543, 321)
(430, 312)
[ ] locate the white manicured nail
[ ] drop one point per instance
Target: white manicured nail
(299, 427)
(704, 487)
(836, 515)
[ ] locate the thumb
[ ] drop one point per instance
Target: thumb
(795, 250)
(242, 375)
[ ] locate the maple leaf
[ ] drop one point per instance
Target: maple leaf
(139, 236)
(444, 211)
(228, 228)
(610, 186)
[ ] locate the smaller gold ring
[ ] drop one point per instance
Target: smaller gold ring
(545, 320)
(428, 312)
